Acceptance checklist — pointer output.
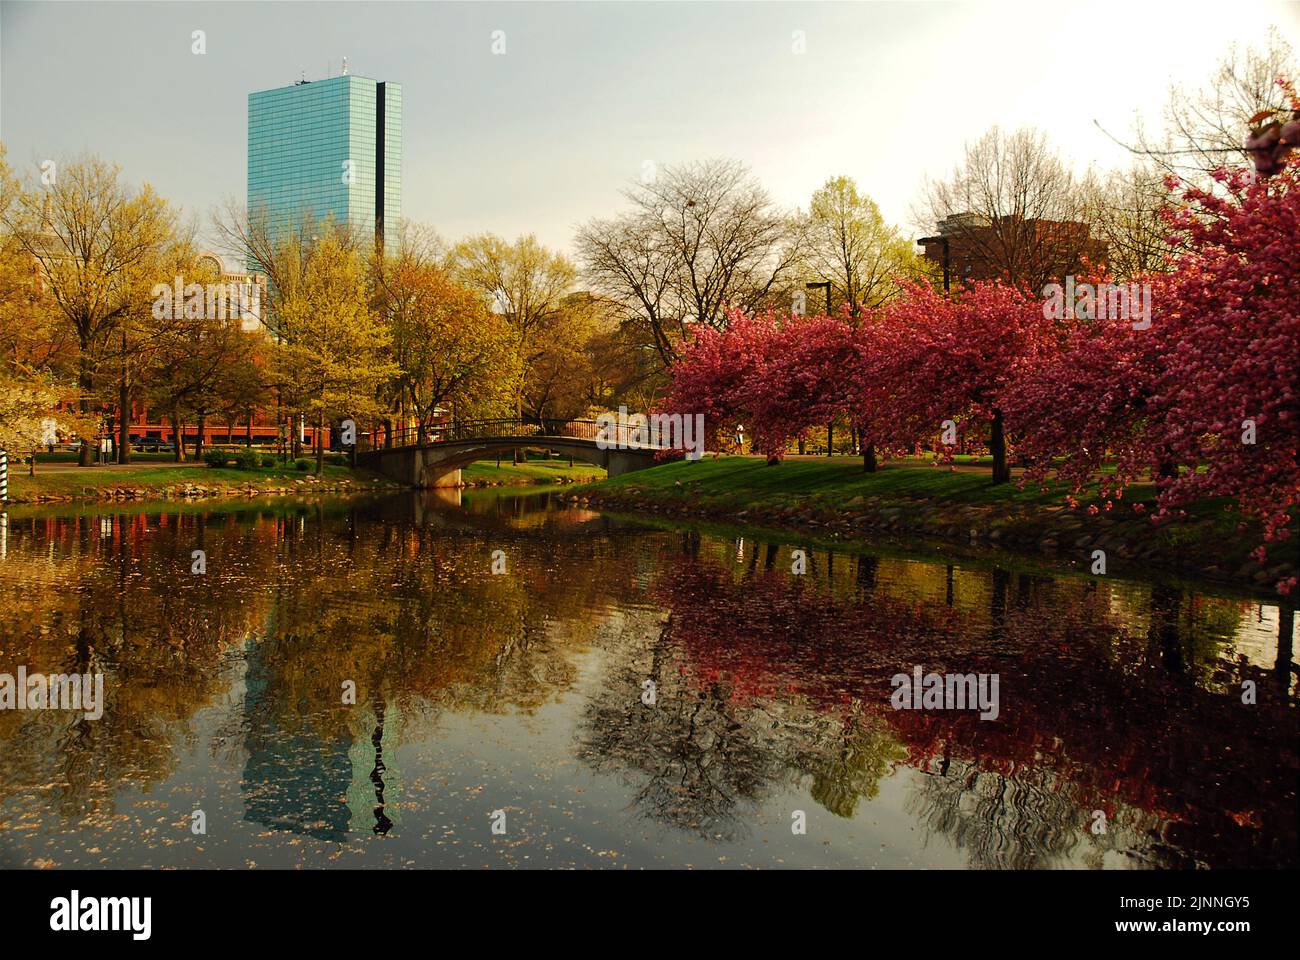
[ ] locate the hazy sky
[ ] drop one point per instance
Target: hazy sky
(544, 137)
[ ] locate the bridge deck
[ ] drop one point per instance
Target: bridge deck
(508, 432)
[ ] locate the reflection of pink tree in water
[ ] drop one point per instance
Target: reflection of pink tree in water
(1111, 720)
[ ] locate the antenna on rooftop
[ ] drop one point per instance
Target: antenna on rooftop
(345, 66)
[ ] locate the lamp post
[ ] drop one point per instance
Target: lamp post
(830, 427)
(944, 240)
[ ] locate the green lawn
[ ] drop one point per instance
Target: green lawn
(932, 498)
(735, 481)
(74, 483)
(534, 471)
(156, 479)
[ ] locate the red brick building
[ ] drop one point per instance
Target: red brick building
(1026, 252)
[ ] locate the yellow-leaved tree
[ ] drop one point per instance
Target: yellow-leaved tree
(452, 352)
(32, 355)
(335, 349)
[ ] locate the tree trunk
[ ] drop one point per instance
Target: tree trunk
(998, 446)
(124, 419)
(1167, 469)
(869, 458)
(86, 456)
(198, 441)
(320, 443)
(1285, 642)
(249, 436)
(178, 444)
(801, 447)
(830, 439)
(519, 417)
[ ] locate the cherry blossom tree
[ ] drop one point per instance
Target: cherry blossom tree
(927, 358)
(713, 372)
(777, 374)
(800, 381)
(1086, 400)
(1229, 394)
(1207, 399)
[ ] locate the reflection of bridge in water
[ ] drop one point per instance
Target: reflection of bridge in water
(433, 457)
(486, 513)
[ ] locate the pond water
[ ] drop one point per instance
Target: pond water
(541, 685)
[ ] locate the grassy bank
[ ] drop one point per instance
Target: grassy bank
(487, 473)
(834, 497)
(151, 481)
(182, 480)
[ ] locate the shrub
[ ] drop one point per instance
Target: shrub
(303, 465)
(215, 458)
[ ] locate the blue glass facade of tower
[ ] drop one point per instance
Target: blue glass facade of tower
(327, 148)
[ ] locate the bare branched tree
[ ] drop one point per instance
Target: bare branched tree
(700, 239)
(1014, 207)
(1125, 213)
(1205, 129)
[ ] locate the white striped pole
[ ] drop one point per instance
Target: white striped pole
(4, 498)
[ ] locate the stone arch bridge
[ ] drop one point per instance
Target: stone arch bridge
(434, 457)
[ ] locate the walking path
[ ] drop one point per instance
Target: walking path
(69, 467)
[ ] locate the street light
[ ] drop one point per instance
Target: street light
(830, 427)
(944, 240)
(818, 284)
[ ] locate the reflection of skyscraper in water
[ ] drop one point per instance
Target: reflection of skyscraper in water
(327, 787)
(376, 780)
(293, 780)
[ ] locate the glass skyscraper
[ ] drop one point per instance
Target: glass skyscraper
(327, 148)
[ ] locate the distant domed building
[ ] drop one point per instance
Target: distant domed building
(247, 297)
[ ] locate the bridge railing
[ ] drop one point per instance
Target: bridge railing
(616, 434)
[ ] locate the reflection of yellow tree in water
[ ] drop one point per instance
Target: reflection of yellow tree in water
(411, 617)
(848, 761)
(408, 615)
(114, 595)
(417, 623)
